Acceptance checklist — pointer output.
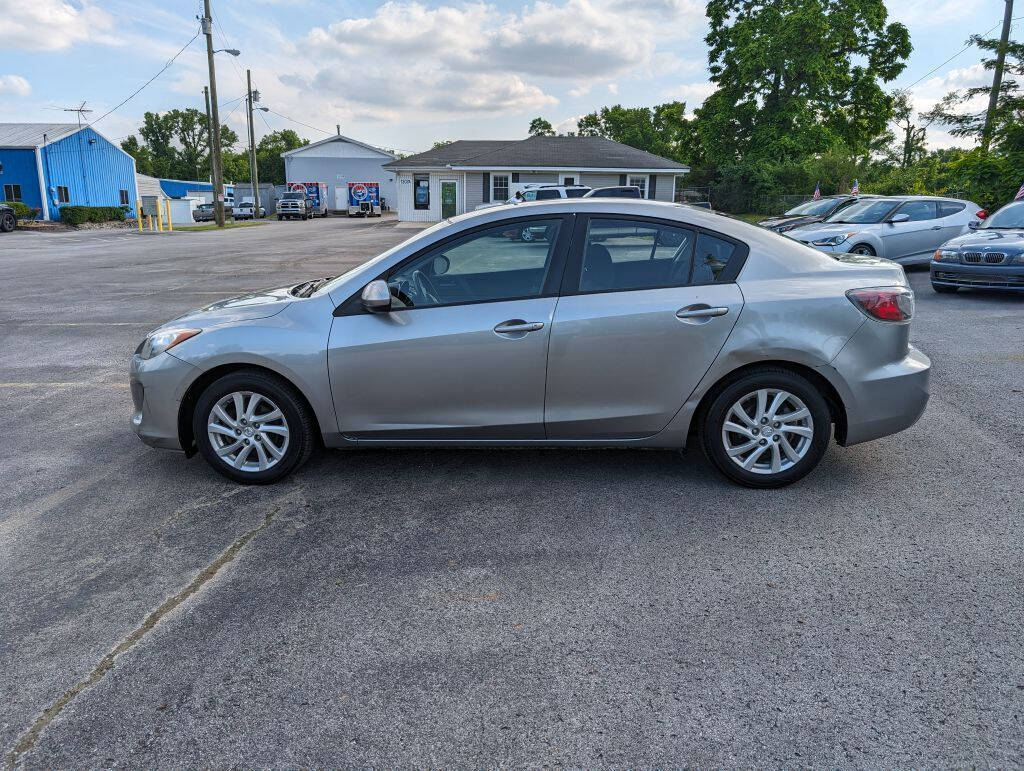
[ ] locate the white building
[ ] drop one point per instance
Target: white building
(457, 177)
(338, 160)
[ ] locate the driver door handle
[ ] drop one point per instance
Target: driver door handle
(936, 227)
(511, 327)
(699, 313)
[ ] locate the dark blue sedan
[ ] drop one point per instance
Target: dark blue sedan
(989, 257)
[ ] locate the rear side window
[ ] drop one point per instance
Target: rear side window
(620, 255)
(547, 195)
(949, 208)
(918, 210)
(711, 257)
(576, 192)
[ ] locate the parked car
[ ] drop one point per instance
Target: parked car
(548, 192)
(989, 257)
(204, 212)
(616, 191)
(244, 211)
(907, 228)
(295, 204)
(810, 212)
(677, 327)
(8, 219)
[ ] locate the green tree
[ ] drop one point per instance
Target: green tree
(140, 152)
(539, 127)
(176, 144)
(908, 145)
(663, 129)
(796, 76)
(268, 154)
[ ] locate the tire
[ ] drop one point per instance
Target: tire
(295, 442)
(941, 289)
(8, 222)
(863, 249)
(807, 451)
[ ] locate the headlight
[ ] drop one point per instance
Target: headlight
(158, 342)
(783, 228)
(1019, 259)
(946, 255)
(833, 240)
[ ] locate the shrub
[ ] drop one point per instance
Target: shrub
(23, 211)
(76, 215)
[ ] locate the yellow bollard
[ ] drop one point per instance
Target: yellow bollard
(138, 212)
(159, 217)
(170, 225)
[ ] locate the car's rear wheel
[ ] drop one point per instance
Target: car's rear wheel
(863, 249)
(767, 429)
(941, 289)
(253, 427)
(8, 222)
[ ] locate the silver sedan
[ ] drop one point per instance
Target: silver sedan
(907, 229)
(632, 323)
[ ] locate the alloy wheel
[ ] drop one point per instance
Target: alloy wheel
(767, 431)
(248, 431)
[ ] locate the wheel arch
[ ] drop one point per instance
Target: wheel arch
(197, 386)
(836, 406)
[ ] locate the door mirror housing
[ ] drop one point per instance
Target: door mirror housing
(376, 297)
(973, 224)
(898, 218)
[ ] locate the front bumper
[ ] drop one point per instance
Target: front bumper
(978, 276)
(157, 387)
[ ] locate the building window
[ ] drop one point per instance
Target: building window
(421, 191)
(639, 181)
(12, 192)
(500, 188)
(62, 194)
(124, 198)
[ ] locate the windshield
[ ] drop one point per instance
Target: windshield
(1010, 216)
(864, 212)
(819, 207)
(294, 196)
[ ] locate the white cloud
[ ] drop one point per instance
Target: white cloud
(14, 84)
(613, 88)
(581, 90)
(567, 125)
(693, 94)
(51, 25)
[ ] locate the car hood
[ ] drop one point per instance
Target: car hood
(823, 230)
(1001, 240)
(246, 307)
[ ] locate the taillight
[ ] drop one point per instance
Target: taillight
(981, 214)
(885, 303)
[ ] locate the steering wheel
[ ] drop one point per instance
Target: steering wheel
(425, 287)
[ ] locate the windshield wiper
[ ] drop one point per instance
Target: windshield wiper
(307, 288)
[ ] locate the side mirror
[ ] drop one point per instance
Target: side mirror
(376, 297)
(973, 225)
(898, 218)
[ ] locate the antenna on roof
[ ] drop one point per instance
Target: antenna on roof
(80, 110)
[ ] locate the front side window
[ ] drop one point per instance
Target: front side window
(640, 182)
(62, 195)
(12, 193)
(421, 191)
(621, 255)
(918, 210)
(499, 190)
(503, 262)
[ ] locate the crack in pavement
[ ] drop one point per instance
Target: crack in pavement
(28, 739)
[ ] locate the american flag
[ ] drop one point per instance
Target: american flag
(817, 191)
(856, 188)
(1020, 194)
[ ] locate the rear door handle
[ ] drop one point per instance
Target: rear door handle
(515, 325)
(692, 312)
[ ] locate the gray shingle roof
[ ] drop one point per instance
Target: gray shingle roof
(540, 152)
(450, 154)
(31, 134)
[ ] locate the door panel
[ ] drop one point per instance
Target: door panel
(442, 372)
(449, 198)
(918, 236)
(621, 364)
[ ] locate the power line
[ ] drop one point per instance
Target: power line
(951, 58)
(140, 88)
(299, 122)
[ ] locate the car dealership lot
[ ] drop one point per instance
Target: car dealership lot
(400, 607)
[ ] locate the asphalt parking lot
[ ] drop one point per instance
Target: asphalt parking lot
(481, 608)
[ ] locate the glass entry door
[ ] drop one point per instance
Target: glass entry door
(449, 197)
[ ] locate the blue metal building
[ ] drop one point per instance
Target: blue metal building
(49, 165)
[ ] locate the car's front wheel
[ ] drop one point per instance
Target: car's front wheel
(8, 222)
(864, 249)
(769, 428)
(253, 427)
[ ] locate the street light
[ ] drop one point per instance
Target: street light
(232, 51)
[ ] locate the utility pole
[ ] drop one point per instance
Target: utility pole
(997, 77)
(218, 176)
(209, 127)
(253, 174)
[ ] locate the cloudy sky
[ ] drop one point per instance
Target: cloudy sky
(403, 73)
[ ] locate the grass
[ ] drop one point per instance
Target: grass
(751, 218)
(213, 226)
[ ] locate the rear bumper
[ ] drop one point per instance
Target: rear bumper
(978, 276)
(157, 386)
